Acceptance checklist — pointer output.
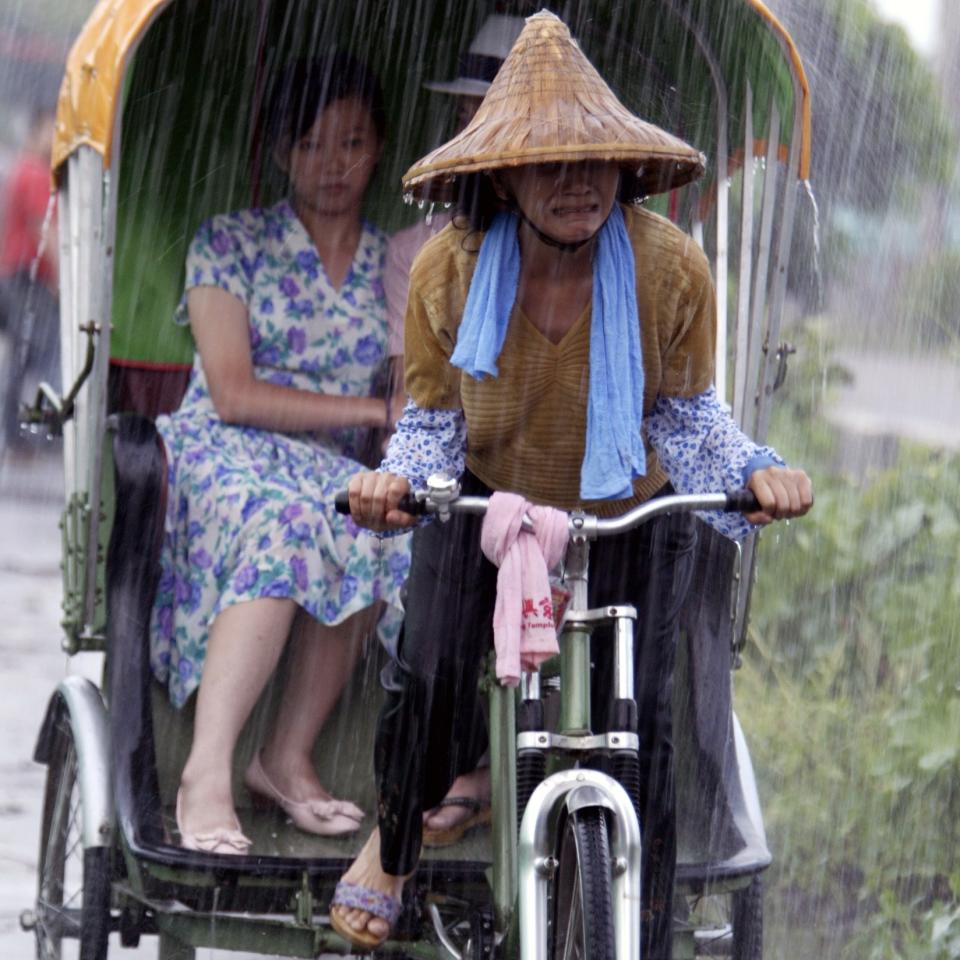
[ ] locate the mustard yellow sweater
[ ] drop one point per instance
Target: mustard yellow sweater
(526, 427)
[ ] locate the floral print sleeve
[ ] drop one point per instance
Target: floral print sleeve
(702, 450)
(217, 258)
(699, 445)
(425, 442)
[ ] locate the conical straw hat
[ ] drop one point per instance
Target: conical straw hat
(548, 104)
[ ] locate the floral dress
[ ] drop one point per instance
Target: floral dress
(250, 512)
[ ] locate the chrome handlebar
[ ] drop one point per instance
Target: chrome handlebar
(442, 498)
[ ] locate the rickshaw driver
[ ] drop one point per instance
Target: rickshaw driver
(578, 316)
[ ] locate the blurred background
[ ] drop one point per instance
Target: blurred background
(849, 691)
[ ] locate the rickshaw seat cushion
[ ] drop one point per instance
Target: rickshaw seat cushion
(139, 461)
(133, 570)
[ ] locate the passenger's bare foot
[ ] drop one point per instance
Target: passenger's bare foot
(206, 802)
(473, 787)
(293, 778)
(366, 872)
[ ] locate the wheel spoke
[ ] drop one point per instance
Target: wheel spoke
(76, 896)
(572, 948)
(62, 918)
(72, 849)
(73, 823)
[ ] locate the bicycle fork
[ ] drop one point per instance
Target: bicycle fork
(577, 789)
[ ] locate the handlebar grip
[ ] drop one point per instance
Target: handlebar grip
(408, 504)
(742, 501)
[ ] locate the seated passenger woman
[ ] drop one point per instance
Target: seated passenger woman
(566, 354)
(286, 306)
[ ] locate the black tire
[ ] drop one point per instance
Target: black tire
(72, 913)
(481, 938)
(582, 897)
(746, 916)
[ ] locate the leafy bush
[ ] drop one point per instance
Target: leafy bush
(850, 697)
(930, 297)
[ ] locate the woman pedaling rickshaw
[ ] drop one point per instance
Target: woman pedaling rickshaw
(145, 152)
(559, 345)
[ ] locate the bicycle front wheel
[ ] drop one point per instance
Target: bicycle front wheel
(582, 895)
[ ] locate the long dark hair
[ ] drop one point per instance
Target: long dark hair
(477, 203)
(307, 87)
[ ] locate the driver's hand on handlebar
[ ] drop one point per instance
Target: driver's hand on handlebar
(374, 498)
(782, 493)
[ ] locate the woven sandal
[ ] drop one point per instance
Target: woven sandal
(479, 814)
(353, 896)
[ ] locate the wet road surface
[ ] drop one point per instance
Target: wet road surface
(916, 398)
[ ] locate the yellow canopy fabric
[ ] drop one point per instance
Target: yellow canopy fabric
(91, 90)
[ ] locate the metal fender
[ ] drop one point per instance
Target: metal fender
(78, 701)
(577, 790)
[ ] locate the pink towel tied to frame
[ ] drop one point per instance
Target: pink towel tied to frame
(524, 632)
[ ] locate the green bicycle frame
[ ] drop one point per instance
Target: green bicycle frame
(574, 721)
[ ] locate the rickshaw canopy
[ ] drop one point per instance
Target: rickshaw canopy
(176, 112)
(743, 36)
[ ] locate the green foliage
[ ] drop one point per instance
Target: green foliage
(850, 696)
(897, 933)
(930, 296)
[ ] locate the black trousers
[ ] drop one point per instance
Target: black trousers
(431, 728)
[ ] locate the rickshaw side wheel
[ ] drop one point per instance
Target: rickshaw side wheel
(747, 921)
(581, 912)
(74, 884)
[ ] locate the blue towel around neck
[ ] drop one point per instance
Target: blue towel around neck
(614, 455)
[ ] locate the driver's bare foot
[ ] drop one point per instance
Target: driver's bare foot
(366, 872)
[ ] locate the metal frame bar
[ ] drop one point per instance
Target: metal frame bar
(744, 285)
(762, 273)
(69, 321)
(723, 198)
(781, 258)
(721, 280)
(84, 299)
(503, 827)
